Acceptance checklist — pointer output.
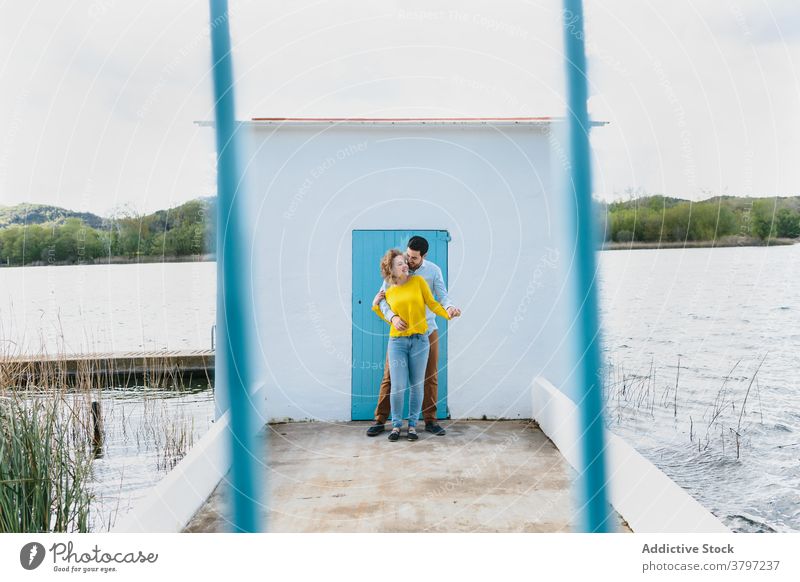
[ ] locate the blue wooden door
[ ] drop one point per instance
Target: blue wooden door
(370, 332)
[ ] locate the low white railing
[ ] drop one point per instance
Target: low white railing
(643, 495)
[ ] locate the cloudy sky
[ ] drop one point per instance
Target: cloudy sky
(99, 96)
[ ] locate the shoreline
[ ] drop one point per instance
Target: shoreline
(724, 242)
(606, 246)
(119, 261)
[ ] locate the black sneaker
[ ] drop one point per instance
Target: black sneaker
(435, 429)
(412, 434)
(376, 429)
(394, 435)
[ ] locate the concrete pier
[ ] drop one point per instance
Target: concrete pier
(483, 476)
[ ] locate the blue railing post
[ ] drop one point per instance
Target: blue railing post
(596, 513)
(233, 299)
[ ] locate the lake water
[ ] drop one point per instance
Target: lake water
(146, 432)
(120, 308)
(96, 308)
(721, 311)
(717, 311)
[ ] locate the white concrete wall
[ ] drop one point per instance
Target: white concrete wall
(490, 187)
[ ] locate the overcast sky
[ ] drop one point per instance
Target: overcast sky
(98, 97)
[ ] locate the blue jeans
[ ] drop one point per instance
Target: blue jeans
(408, 359)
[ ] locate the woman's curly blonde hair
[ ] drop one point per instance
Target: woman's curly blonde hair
(386, 265)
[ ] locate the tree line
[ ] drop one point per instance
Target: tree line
(189, 229)
(664, 219)
(182, 231)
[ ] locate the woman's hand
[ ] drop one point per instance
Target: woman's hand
(379, 297)
(399, 324)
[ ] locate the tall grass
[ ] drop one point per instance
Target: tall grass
(45, 461)
(45, 466)
(47, 437)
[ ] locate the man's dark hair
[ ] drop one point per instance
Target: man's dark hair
(419, 244)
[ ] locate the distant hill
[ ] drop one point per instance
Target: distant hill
(44, 214)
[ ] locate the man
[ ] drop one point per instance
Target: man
(417, 265)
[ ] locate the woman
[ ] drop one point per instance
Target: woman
(408, 349)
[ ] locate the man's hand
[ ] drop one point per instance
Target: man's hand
(399, 324)
(379, 297)
(453, 312)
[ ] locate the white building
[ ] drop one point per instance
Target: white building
(326, 197)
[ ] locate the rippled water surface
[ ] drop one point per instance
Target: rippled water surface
(719, 312)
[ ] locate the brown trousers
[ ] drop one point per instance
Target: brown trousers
(431, 391)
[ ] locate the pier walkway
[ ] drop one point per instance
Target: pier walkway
(482, 476)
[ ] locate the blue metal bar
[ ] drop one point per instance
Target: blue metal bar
(233, 300)
(596, 512)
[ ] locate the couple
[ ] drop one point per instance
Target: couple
(407, 303)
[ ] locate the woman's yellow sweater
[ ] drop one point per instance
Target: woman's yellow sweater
(408, 301)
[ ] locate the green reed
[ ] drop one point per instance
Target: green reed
(45, 466)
